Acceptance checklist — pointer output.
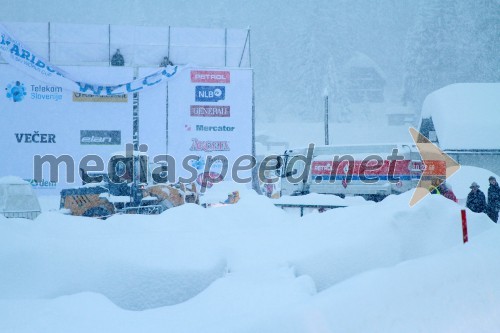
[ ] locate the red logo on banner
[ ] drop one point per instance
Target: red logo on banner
(209, 146)
(207, 179)
(211, 76)
(210, 111)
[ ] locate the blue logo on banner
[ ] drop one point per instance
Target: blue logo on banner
(210, 93)
(16, 91)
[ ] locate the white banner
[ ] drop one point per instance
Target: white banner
(209, 113)
(41, 119)
(21, 57)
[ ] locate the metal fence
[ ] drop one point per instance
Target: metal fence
(32, 214)
(77, 44)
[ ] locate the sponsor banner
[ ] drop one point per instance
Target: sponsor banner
(79, 97)
(211, 76)
(369, 168)
(54, 125)
(17, 91)
(209, 145)
(201, 132)
(21, 57)
(210, 93)
(216, 121)
(42, 184)
(35, 137)
(24, 59)
(205, 128)
(93, 137)
(210, 111)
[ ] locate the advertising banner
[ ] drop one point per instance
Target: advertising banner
(40, 119)
(203, 119)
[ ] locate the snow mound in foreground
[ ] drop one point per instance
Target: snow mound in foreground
(250, 267)
(131, 265)
(457, 290)
(345, 242)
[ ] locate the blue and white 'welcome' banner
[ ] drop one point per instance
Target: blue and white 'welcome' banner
(21, 57)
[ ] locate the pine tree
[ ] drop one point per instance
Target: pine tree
(432, 55)
(486, 34)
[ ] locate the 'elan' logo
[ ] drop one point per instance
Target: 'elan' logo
(96, 137)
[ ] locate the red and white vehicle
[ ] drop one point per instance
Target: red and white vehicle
(371, 171)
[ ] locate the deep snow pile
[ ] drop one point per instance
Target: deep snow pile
(251, 267)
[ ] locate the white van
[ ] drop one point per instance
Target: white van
(17, 199)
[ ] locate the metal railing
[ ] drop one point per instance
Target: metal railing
(31, 214)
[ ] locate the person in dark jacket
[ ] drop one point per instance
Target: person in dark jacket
(476, 201)
(117, 59)
(166, 62)
(493, 199)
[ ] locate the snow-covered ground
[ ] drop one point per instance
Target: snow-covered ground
(302, 134)
(252, 267)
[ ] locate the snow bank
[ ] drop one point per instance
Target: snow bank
(242, 268)
(126, 260)
(457, 290)
(352, 240)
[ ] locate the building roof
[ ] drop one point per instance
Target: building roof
(466, 116)
(361, 60)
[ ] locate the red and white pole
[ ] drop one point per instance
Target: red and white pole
(464, 227)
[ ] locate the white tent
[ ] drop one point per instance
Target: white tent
(17, 199)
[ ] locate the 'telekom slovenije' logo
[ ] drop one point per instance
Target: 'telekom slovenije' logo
(16, 91)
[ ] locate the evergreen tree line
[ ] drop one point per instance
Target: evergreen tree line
(451, 41)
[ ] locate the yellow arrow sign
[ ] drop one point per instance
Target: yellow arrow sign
(438, 166)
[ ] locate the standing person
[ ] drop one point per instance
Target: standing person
(447, 192)
(435, 183)
(117, 59)
(493, 199)
(476, 201)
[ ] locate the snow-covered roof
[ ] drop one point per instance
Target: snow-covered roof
(465, 115)
(13, 180)
(360, 59)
